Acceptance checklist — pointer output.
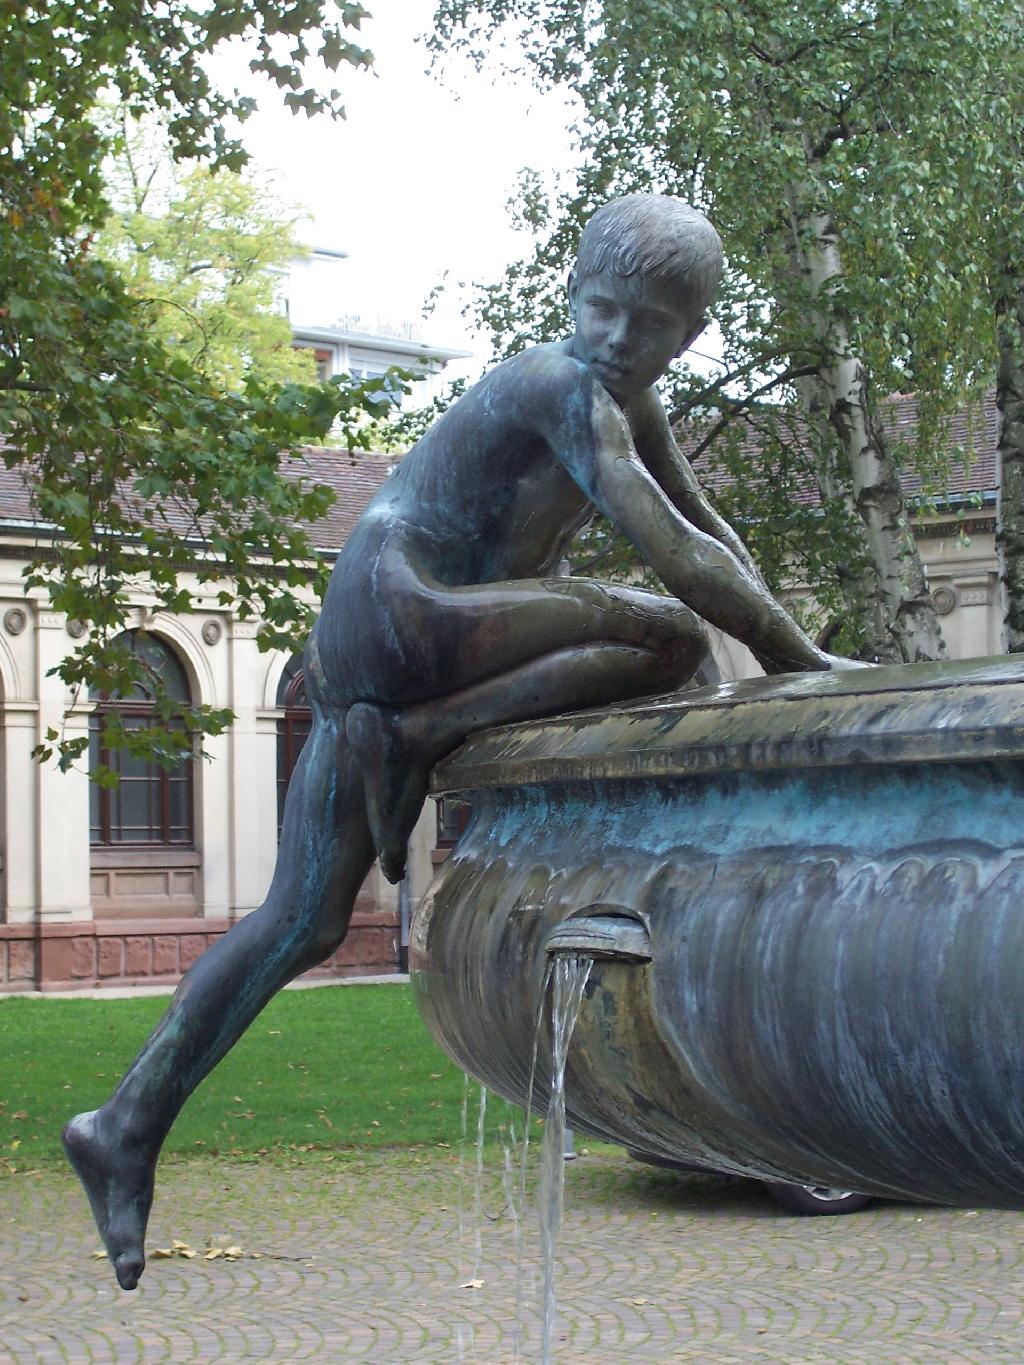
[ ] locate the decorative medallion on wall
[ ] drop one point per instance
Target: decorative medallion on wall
(943, 600)
(15, 620)
(212, 631)
(76, 629)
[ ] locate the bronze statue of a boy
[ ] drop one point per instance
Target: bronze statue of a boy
(444, 616)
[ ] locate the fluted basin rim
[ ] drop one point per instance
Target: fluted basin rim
(911, 713)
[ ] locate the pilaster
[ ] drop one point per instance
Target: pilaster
(61, 800)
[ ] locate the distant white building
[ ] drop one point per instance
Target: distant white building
(313, 296)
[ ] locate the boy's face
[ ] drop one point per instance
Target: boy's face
(629, 328)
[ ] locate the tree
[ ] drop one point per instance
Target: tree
(836, 147)
(140, 460)
(1010, 459)
(205, 250)
(1006, 223)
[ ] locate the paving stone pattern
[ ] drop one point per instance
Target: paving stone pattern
(362, 1260)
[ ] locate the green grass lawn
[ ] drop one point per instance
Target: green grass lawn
(348, 1067)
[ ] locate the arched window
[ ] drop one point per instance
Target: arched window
(292, 728)
(150, 805)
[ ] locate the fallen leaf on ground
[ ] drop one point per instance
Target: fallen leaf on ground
(472, 1284)
(99, 1255)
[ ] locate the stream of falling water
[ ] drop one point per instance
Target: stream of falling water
(467, 1342)
(569, 975)
(461, 1342)
(519, 1204)
(566, 979)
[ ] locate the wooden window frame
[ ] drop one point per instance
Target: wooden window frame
(293, 729)
(155, 774)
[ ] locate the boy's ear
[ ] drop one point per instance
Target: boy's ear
(572, 289)
(694, 333)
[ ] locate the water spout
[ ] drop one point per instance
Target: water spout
(602, 931)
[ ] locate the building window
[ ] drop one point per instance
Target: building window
(150, 805)
(292, 728)
(392, 390)
(324, 357)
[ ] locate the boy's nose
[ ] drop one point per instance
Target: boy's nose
(618, 334)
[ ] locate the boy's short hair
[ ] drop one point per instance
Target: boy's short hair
(656, 235)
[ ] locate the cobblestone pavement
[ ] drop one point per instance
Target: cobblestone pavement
(363, 1259)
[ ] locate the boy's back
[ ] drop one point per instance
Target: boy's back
(483, 495)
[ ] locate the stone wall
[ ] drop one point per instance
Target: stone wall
(107, 953)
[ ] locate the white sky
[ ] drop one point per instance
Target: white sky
(415, 183)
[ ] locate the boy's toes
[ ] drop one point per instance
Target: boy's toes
(392, 864)
(128, 1267)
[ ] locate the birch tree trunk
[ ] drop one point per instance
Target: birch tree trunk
(1010, 466)
(902, 625)
(858, 582)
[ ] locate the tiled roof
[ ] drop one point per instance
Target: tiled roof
(354, 477)
(974, 430)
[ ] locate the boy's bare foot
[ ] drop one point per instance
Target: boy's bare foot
(394, 779)
(119, 1184)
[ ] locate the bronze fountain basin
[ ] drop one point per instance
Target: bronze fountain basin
(804, 898)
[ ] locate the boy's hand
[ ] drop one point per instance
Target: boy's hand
(837, 664)
(826, 663)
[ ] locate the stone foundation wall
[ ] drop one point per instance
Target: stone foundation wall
(151, 952)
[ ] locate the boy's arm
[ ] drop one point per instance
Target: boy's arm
(588, 433)
(657, 447)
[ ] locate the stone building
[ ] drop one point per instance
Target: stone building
(314, 294)
(129, 886)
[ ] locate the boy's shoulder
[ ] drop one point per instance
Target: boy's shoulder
(551, 361)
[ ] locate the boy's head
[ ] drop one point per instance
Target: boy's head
(647, 268)
(655, 236)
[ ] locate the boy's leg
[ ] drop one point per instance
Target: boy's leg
(324, 856)
(639, 646)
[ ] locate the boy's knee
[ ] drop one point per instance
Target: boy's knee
(323, 939)
(686, 646)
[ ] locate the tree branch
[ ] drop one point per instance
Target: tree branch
(739, 406)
